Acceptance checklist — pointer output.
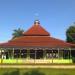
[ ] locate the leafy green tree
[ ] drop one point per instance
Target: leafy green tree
(17, 33)
(70, 34)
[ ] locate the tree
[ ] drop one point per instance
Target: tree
(17, 33)
(70, 34)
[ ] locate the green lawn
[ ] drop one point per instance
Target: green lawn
(44, 71)
(18, 61)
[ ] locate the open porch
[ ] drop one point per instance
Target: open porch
(36, 55)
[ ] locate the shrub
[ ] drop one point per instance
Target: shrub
(16, 72)
(34, 72)
(73, 59)
(6, 73)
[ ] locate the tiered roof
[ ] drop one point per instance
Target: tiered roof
(36, 36)
(36, 30)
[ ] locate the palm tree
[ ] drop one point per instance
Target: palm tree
(17, 33)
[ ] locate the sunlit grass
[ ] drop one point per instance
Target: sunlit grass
(36, 61)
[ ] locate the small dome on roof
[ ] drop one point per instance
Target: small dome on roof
(36, 22)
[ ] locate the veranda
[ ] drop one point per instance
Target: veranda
(36, 55)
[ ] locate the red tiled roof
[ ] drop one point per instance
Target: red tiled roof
(36, 41)
(36, 36)
(36, 30)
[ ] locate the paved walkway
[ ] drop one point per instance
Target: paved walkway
(39, 66)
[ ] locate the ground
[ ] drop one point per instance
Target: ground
(45, 71)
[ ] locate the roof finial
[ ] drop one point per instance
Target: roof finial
(36, 22)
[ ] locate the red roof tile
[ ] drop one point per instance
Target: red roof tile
(38, 41)
(36, 30)
(36, 36)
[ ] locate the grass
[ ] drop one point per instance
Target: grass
(45, 71)
(19, 61)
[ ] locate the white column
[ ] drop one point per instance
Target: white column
(1, 57)
(44, 54)
(13, 53)
(28, 54)
(58, 53)
(20, 54)
(52, 56)
(35, 57)
(70, 52)
(62, 54)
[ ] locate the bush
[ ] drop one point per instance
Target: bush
(73, 59)
(16, 72)
(34, 72)
(6, 73)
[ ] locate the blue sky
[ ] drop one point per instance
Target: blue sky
(54, 15)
